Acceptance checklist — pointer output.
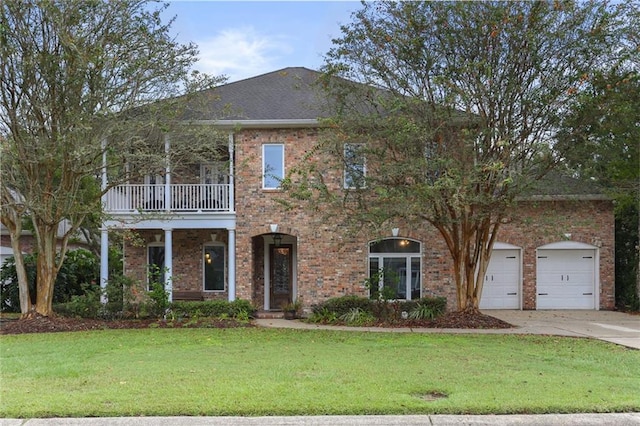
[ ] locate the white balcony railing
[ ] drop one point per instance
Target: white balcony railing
(182, 198)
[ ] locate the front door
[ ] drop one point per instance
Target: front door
(281, 283)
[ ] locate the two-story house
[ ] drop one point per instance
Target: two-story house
(223, 234)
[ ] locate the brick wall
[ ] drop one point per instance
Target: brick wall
(331, 262)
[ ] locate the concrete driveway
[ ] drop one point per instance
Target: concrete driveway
(615, 327)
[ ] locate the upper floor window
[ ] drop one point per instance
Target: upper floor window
(354, 166)
(272, 165)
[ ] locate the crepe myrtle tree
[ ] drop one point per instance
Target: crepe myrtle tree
(445, 112)
(80, 81)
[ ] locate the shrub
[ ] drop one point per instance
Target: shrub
(421, 312)
(86, 305)
(358, 317)
(323, 316)
(80, 267)
(437, 304)
(342, 305)
(213, 308)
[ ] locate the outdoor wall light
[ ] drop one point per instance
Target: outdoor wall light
(277, 237)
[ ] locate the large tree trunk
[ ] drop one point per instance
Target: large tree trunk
(12, 220)
(26, 307)
(470, 244)
(47, 269)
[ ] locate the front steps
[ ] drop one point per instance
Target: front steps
(269, 315)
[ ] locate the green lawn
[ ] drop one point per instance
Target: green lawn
(292, 372)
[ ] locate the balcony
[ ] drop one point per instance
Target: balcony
(196, 198)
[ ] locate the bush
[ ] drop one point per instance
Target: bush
(358, 317)
(213, 308)
(323, 316)
(342, 305)
(80, 267)
(86, 305)
(355, 310)
(437, 304)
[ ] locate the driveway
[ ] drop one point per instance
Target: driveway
(615, 327)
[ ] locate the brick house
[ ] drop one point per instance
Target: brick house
(232, 239)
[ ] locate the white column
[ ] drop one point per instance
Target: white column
(232, 207)
(104, 234)
(167, 175)
(104, 263)
(232, 265)
(168, 262)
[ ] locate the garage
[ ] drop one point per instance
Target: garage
(566, 276)
(501, 288)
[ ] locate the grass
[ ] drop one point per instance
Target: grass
(248, 372)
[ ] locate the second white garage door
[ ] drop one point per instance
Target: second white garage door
(502, 281)
(566, 278)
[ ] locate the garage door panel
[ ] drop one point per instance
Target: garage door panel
(502, 281)
(566, 279)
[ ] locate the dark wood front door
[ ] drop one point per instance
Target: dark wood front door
(280, 275)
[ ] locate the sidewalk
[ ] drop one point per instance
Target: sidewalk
(617, 419)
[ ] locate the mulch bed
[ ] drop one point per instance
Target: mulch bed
(41, 324)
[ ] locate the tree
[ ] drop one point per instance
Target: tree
(453, 114)
(599, 141)
(81, 79)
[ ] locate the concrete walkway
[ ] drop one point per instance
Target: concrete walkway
(614, 327)
(613, 419)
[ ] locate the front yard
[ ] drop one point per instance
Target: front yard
(255, 371)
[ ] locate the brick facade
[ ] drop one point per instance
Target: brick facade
(330, 263)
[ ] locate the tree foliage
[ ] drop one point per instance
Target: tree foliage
(455, 108)
(79, 81)
(599, 141)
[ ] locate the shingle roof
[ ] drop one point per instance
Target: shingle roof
(556, 185)
(286, 94)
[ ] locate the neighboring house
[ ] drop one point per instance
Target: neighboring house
(230, 238)
(27, 241)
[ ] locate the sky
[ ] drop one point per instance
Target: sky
(242, 39)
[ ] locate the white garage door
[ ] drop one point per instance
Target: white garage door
(502, 281)
(566, 279)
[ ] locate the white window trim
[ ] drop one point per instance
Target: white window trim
(408, 256)
(264, 174)
(224, 279)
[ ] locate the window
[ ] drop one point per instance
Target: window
(155, 266)
(214, 272)
(272, 165)
(354, 165)
(394, 265)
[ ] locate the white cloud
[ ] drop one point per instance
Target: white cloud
(241, 52)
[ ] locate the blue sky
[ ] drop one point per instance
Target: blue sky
(247, 38)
